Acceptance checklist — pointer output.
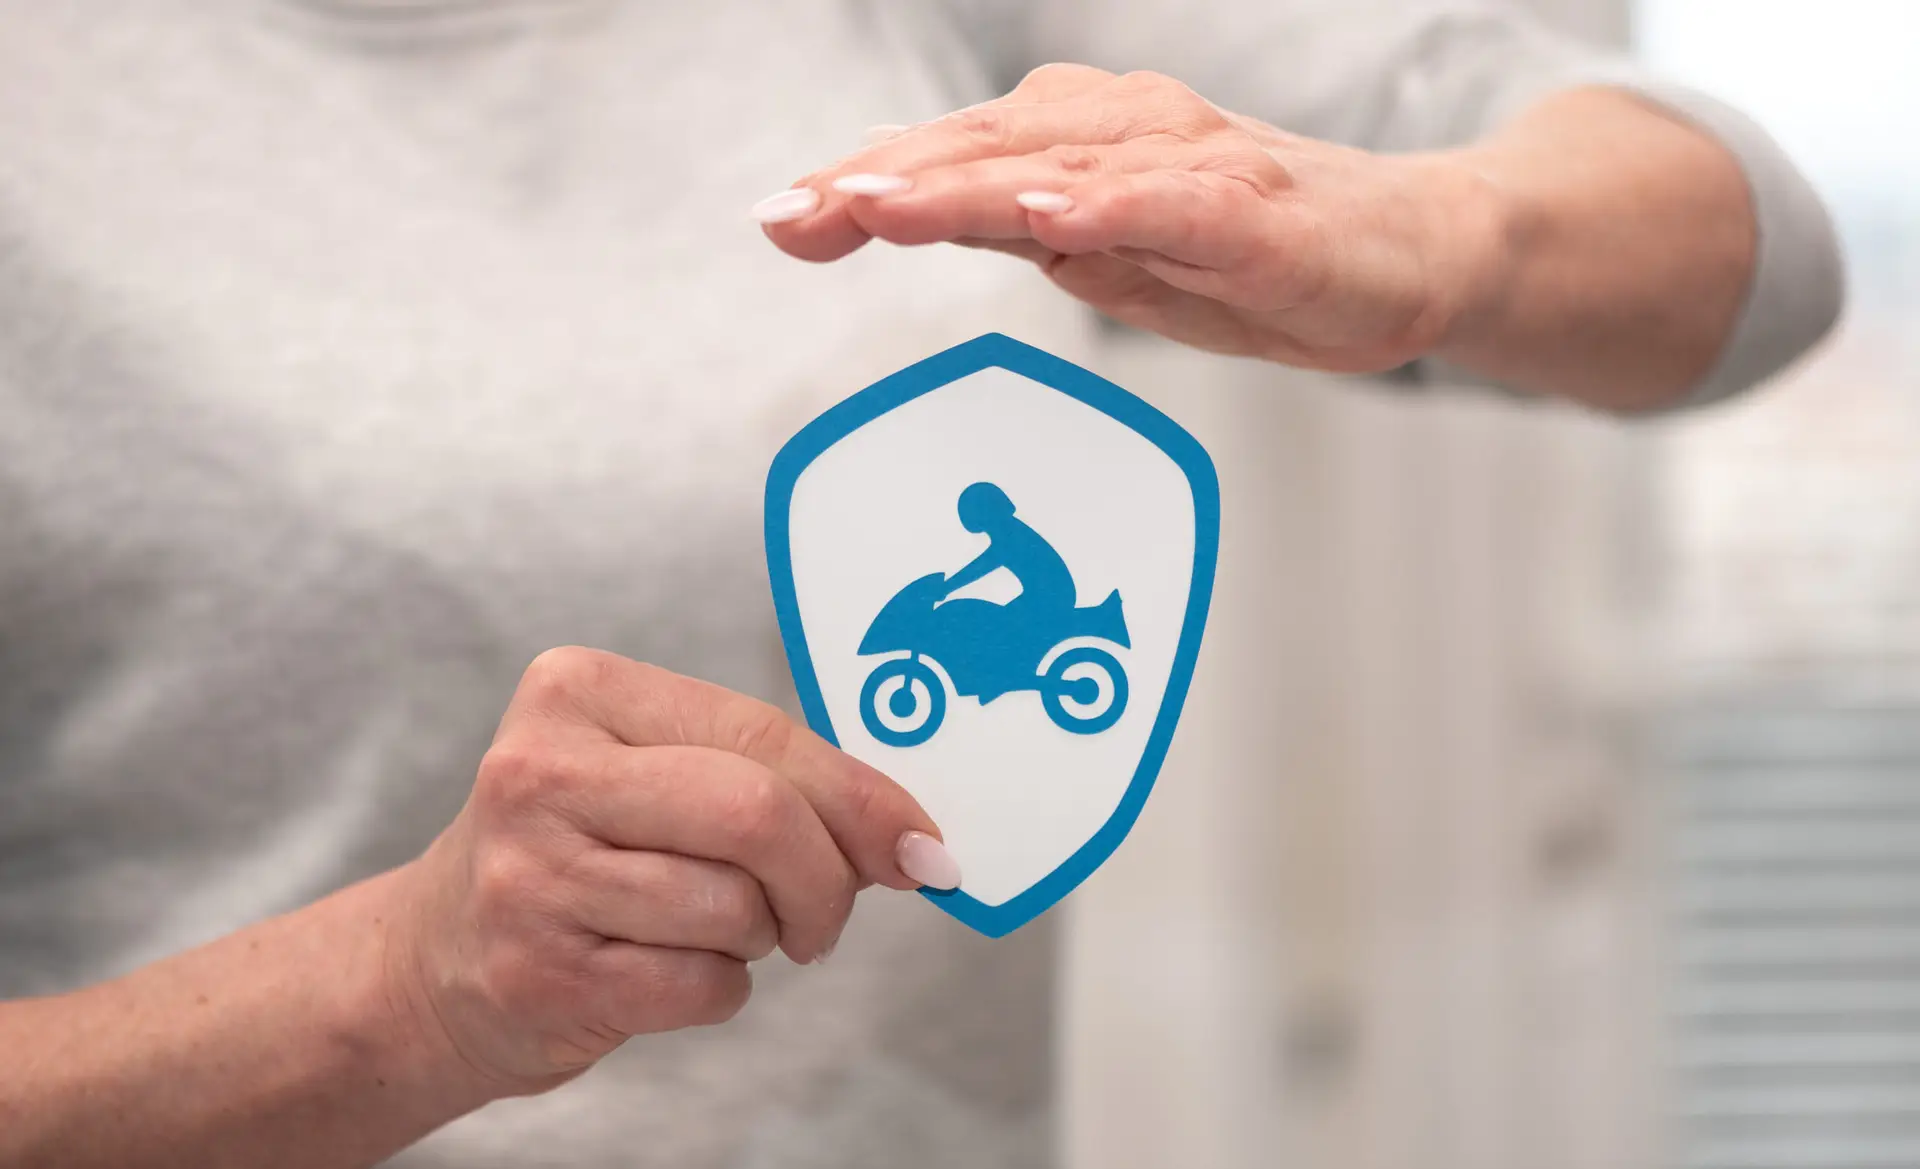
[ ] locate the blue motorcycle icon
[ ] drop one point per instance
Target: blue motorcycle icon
(990, 649)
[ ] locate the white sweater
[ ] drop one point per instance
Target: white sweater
(354, 351)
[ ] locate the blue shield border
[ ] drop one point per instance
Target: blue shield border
(984, 352)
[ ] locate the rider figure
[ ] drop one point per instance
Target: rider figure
(1046, 585)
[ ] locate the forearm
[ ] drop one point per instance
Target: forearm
(284, 1044)
(1661, 248)
(1628, 249)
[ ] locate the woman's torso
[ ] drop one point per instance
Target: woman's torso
(350, 354)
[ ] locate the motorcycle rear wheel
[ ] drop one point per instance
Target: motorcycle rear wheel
(1057, 687)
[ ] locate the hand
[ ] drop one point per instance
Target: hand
(633, 840)
(1136, 195)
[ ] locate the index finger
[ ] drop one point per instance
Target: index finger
(1029, 118)
(870, 818)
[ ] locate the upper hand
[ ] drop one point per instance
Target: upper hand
(633, 840)
(1210, 228)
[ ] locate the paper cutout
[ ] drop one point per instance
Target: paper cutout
(990, 649)
(1031, 728)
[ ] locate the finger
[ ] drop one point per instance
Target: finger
(640, 990)
(829, 231)
(1201, 219)
(682, 902)
(1133, 296)
(981, 198)
(1024, 249)
(604, 694)
(1104, 115)
(1109, 113)
(1043, 83)
(716, 806)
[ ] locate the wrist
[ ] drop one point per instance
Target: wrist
(1480, 241)
(389, 1020)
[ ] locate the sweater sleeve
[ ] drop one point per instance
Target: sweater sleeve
(1404, 75)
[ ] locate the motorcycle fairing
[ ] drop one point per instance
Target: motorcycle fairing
(972, 640)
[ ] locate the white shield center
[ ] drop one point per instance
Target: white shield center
(1015, 794)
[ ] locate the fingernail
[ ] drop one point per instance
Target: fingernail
(1050, 202)
(786, 205)
(825, 953)
(871, 184)
(884, 131)
(926, 860)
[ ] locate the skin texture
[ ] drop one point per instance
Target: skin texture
(633, 840)
(1594, 248)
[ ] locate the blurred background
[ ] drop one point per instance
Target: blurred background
(1564, 809)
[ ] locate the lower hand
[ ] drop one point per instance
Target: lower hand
(1139, 197)
(634, 839)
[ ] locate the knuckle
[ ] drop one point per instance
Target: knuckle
(515, 775)
(1117, 202)
(867, 799)
(756, 810)
(735, 906)
(725, 905)
(504, 880)
(1147, 81)
(759, 730)
(558, 674)
(699, 988)
(722, 991)
(1074, 159)
(759, 942)
(1174, 106)
(1043, 75)
(1058, 74)
(985, 126)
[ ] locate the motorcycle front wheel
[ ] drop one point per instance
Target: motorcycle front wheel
(1086, 716)
(913, 710)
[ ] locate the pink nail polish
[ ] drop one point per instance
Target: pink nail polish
(1046, 202)
(922, 858)
(871, 184)
(785, 206)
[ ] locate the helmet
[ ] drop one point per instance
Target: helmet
(982, 504)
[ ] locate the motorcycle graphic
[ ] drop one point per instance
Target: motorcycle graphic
(988, 649)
